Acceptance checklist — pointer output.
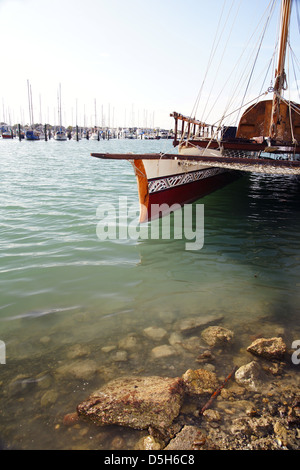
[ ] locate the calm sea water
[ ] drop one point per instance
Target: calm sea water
(65, 295)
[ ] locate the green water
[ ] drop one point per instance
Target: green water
(60, 286)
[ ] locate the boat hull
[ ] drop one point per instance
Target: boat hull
(164, 186)
(31, 135)
(61, 136)
(162, 202)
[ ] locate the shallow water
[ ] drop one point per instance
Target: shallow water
(62, 288)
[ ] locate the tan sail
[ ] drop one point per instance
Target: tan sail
(257, 121)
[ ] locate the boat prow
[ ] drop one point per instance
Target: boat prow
(164, 185)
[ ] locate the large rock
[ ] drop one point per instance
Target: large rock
(184, 440)
(136, 402)
(268, 348)
(217, 336)
(200, 382)
(251, 376)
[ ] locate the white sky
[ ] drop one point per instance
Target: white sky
(140, 60)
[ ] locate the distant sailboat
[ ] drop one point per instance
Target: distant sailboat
(266, 140)
(31, 134)
(95, 134)
(6, 134)
(77, 134)
(60, 134)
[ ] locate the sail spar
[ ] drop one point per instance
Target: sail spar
(280, 75)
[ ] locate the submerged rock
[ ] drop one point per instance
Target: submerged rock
(193, 344)
(119, 356)
(268, 348)
(200, 382)
(108, 348)
(155, 333)
(129, 342)
(212, 416)
(217, 336)
(162, 351)
(136, 402)
(77, 351)
(198, 322)
(258, 427)
(70, 419)
(49, 398)
(82, 370)
(148, 443)
(185, 439)
(251, 376)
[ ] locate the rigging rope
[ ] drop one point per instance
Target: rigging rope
(298, 15)
(258, 51)
(289, 105)
(294, 59)
(238, 109)
(212, 53)
(269, 11)
(222, 56)
(235, 92)
(263, 24)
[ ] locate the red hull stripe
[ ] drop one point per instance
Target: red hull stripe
(186, 193)
(170, 181)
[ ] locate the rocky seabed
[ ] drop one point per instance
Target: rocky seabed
(142, 396)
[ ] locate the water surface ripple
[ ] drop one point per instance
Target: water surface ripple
(61, 286)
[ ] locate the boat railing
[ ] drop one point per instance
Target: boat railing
(191, 129)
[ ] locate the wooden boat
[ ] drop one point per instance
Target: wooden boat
(266, 140)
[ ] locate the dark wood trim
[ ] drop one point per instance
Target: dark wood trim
(200, 159)
(243, 145)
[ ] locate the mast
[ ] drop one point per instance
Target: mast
(280, 77)
(28, 91)
(59, 107)
(30, 104)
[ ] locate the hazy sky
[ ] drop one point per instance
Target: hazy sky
(140, 60)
